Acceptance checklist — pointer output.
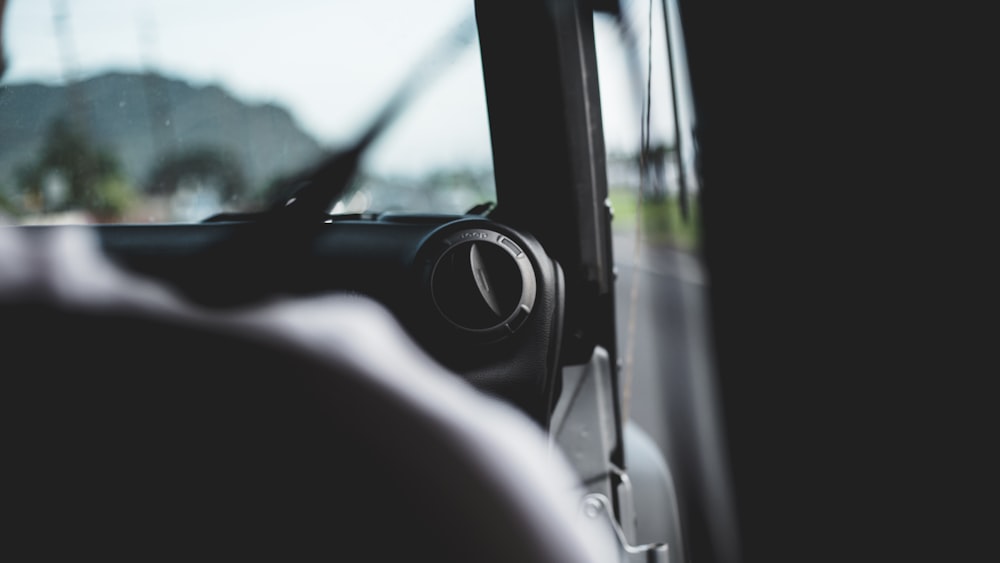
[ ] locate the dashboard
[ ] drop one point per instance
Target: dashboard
(484, 300)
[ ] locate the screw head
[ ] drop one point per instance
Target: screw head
(592, 507)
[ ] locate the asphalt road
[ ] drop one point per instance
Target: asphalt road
(661, 328)
(668, 380)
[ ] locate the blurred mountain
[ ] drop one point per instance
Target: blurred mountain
(144, 117)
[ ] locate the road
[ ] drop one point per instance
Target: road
(661, 320)
(668, 379)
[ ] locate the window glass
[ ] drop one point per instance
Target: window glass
(174, 110)
(648, 193)
(660, 287)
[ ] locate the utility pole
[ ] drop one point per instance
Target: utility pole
(682, 195)
(79, 115)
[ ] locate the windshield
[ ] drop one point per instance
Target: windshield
(175, 110)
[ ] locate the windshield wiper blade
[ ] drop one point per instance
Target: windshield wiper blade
(316, 190)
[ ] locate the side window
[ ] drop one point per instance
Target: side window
(660, 303)
(647, 132)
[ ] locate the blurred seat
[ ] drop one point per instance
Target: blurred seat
(139, 427)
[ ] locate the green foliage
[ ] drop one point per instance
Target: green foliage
(213, 167)
(111, 197)
(660, 220)
(7, 204)
(90, 176)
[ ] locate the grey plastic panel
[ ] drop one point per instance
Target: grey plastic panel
(584, 428)
(583, 423)
(657, 517)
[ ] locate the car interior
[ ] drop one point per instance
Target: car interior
(277, 382)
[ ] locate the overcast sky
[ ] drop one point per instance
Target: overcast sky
(331, 64)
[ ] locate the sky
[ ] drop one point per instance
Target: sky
(332, 64)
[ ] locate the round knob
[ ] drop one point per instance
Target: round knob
(483, 282)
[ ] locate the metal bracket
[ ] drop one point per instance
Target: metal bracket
(596, 506)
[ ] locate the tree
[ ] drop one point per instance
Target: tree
(214, 168)
(7, 205)
(91, 176)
